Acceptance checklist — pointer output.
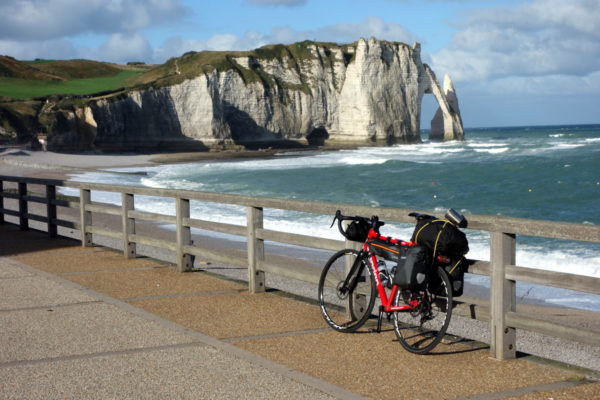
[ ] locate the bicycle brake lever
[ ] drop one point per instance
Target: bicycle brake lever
(336, 216)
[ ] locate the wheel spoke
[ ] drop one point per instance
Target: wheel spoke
(421, 329)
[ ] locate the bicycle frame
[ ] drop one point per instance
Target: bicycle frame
(386, 301)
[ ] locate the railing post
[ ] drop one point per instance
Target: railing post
(184, 234)
(127, 204)
(256, 250)
(51, 210)
(23, 210)
(85, 198)
(502, 295)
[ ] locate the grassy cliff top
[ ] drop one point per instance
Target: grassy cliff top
(193, 64)
(40, 78)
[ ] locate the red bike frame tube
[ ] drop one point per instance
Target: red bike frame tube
(385, 300)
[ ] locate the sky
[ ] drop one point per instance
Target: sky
(513, 62)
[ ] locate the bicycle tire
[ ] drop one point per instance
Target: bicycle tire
(420, 330)
(346, 312)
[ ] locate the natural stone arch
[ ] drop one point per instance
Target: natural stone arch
(447, 124)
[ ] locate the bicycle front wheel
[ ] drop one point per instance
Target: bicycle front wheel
(420, 329)
(346, 310)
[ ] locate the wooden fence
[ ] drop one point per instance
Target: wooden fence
(501, 313)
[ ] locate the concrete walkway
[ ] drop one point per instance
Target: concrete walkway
(87, 323)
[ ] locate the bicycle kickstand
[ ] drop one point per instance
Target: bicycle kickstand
(379, 319)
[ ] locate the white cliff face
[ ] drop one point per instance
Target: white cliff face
(368, 91)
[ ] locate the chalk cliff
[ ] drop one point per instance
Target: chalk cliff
(307, 92)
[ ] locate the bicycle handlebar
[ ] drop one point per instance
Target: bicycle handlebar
(373, 222)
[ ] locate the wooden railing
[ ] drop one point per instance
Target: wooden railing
(501, 312)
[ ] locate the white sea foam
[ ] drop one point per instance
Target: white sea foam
(362, 161)
(565, 146)
(492, 151)
(485, 145)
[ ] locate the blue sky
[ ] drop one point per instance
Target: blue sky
(513, 62)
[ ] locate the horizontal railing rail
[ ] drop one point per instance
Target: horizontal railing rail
(501, 311)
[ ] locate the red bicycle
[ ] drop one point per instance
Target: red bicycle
(417, 296)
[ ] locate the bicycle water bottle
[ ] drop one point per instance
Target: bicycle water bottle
(384, 274)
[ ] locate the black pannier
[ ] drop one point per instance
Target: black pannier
(456, 274)
(441, 237)
(357, 231)
(413, 263)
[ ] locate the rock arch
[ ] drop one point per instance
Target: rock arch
(447, 124)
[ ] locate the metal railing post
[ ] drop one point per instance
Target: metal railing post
(502, 295)
(184, 235)
(85, 198)
(51, 210)
(128, 204)
(23, 209)
(256, 250)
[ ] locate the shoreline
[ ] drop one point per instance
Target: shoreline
(19, 161)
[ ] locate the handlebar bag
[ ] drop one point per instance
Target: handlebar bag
(357, 231)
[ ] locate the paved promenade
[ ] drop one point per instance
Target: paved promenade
(87, 323)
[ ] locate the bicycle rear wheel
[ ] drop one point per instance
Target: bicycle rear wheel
(346, 311)
(419, 330)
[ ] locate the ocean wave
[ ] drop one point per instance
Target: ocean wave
(362, 161)
(492, 151)
(480, 144)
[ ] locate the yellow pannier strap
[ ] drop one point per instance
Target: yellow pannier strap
(436, 239)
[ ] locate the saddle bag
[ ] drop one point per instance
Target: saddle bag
(441, 237)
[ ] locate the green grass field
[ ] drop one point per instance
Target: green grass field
(26, 89)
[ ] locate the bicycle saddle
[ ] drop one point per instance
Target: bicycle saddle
(420, 216)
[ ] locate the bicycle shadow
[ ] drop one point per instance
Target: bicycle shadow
(464, 345)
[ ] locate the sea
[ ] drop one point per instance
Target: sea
(535, 172)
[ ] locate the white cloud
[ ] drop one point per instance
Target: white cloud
(338, 33)
(28, 20)
(539, 38)
(49, 49)
(122, 48)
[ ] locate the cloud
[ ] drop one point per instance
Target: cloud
(30, 20)
(49, 49)
(289, 3)
(122, 48)
(338, 33)
(539, 38)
